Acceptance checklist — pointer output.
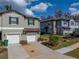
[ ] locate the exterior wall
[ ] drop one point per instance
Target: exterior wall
(43, 25)
(37, 24)
(12, 32)
(65, 23)
(7, 28)
(72, 24)
(77, 24)
(61, 27)
(5, 18)
(23, 37)
(46, 24)
(65, 32)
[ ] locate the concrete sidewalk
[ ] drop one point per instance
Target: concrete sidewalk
(47, 53)
(68, 49)
(16, 51)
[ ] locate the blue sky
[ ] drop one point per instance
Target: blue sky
(62, 4)
(43, 7)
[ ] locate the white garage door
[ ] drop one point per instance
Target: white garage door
(12, 39)
(31, 38)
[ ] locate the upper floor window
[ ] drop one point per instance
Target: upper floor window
(77, 23)
(64, 23)
(31, 21)
(13, 20)
(72, 23)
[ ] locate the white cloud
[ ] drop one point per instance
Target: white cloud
(75, 4)
(73, 11)
(49, 4)
(19, 5)
(20, 2)
(42, 7)
(29, 12)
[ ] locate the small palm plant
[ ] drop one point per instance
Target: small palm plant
(54, 40)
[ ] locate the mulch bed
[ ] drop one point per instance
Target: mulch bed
(3, 53)
(31, 51)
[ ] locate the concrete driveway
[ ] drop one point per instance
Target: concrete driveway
(16, 51)
(47, 53)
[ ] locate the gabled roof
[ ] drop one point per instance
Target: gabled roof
(55, 19)
(7, 11)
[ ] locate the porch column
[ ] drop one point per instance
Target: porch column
(54, 27)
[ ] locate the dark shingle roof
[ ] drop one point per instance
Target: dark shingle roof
(55, 19)
(7, 11)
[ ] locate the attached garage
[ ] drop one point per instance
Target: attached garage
(12, 39)
(31, 38)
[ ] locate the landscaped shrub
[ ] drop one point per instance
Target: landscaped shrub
(54, 40)
(42, 39)
(23, 42)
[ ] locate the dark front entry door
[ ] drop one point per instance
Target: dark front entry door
(0, 35)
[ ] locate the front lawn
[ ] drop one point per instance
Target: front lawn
(74, 53)
(66, 43)
(62, 43)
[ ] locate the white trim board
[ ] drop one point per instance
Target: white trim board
(11, 28)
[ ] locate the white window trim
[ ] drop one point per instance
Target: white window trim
(11, 28)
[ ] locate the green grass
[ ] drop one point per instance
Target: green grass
(62, 43)
(46, 36)
(74, 53)
(65, 44)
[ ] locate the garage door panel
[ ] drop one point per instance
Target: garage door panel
(13, 39)
(31, 38)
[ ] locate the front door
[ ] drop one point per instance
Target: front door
(0, 35)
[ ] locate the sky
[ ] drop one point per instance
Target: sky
(42, 8)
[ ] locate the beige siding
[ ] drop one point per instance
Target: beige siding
(23, 23)
(6, 16)
(37, 24)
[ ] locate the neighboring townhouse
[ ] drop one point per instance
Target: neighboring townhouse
(60, 26)
(15, 27)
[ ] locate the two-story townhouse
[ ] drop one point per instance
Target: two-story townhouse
(15, 27)
(53, 26)
(60, 26)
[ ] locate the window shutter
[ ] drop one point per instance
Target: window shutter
(33, 22)
(28, 21)
(9, 20)
(17, 21)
